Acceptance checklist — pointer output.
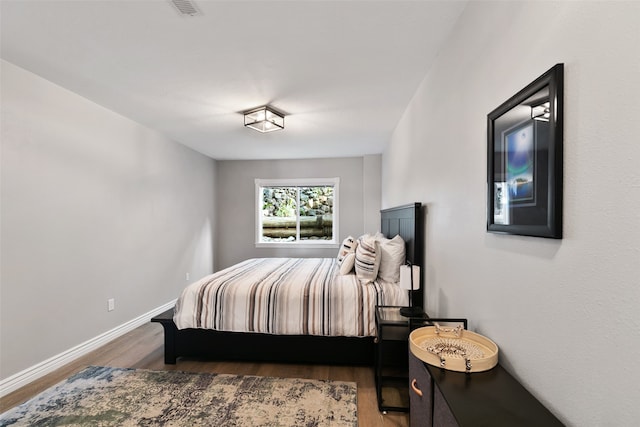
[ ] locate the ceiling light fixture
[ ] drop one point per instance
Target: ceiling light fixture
(541, 112)
(186, 7)
(264, 119)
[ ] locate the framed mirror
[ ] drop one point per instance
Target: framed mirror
(524, 160)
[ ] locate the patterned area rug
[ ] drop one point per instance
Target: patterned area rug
(101, 396)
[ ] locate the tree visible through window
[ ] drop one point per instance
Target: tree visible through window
(303, 211)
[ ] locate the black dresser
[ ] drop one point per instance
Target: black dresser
(441, 398)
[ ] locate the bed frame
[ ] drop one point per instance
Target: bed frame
(404, 220)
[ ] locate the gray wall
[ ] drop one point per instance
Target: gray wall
(565, 314)
(94, 206)
(236, 202)
(371, 192)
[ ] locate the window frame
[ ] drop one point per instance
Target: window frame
(297, 182)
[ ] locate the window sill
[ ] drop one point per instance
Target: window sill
(299, 245)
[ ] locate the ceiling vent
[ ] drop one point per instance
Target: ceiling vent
(186, 7)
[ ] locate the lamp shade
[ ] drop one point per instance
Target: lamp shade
(407, 273)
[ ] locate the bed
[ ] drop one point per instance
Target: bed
(259, 338)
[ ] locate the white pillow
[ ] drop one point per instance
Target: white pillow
(392, 256)
(348, 246)
(367, 259)
(347, 263)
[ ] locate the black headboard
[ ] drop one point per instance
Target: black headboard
(407, 221)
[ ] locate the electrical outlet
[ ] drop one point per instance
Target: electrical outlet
(186, 276)
(111, 304)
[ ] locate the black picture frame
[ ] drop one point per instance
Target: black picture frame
(524, 160)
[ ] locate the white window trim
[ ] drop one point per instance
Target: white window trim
(297, 182)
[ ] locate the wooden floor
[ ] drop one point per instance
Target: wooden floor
(143, 348)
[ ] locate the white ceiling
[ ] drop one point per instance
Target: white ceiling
(343, 71)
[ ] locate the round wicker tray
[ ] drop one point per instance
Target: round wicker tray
(454, 349)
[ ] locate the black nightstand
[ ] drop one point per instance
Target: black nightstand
(391, 362)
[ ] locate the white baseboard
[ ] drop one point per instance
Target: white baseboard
(28, 375)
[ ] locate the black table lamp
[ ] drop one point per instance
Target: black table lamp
(410, 280)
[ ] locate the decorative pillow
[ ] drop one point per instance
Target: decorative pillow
(367, 259)
(392, 256)
(346, 266)
(348, 246)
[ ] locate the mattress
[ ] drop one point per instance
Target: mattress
(285, 296)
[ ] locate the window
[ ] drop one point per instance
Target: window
(291, 212)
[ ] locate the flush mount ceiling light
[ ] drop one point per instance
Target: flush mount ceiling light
(186, 7)
(264, 119)
(541, 112)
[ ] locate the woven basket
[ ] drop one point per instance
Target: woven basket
(454, 349)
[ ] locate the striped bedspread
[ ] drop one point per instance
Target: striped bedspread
(285, 296)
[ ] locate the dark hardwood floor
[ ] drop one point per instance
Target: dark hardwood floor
(143, 348)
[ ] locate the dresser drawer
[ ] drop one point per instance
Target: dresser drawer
(420, 393)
